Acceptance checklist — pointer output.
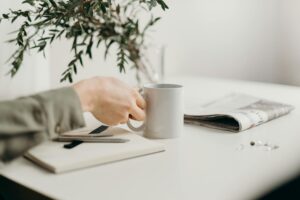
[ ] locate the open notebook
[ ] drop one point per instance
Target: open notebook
(53, 157)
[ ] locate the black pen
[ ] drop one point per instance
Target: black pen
(75, 143)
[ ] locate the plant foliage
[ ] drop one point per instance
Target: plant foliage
(88, 23)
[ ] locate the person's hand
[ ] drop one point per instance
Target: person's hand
(110, 100)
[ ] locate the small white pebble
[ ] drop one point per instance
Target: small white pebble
(267, 144)
(275, 147)
(240, 147)
(267, 148)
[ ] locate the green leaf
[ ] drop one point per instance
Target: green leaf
(30, 2)
(103, 7)
(79, 57)
(118, 9)
(70, 78)
(53, 3)
(89, 47)
(163, 5)
(99, 42)
(75, 68)
(5, 16)
(107, 48)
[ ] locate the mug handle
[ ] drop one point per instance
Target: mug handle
(142, 127)
(136, 129)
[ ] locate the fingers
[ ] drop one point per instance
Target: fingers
(140, 101)
(137, 113)
(131, 117)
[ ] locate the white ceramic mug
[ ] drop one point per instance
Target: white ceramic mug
(164, 111)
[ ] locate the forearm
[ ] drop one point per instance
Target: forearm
(27, 121)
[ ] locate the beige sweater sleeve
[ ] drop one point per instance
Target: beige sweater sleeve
(27, 121)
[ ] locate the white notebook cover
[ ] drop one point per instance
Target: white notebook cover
(53, 157)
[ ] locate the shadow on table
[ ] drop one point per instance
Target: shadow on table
(11, 190)
(289, 190)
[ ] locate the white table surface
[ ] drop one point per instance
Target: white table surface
(202, 164)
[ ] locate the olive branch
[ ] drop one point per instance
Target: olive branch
(89, 24)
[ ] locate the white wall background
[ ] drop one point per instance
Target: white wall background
(243, 39)
(290, 42)
(32, 77)
(232, 38)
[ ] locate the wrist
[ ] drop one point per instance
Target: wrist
(84, 96)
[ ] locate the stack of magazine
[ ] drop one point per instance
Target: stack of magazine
(237, 112)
